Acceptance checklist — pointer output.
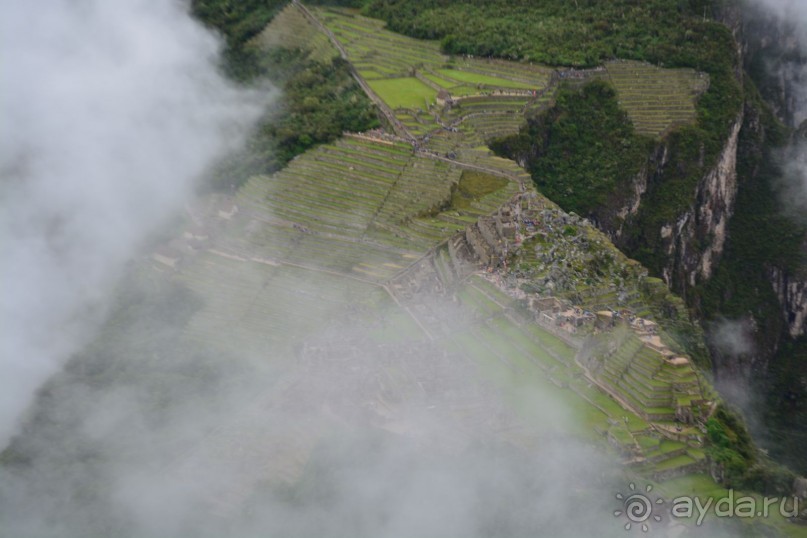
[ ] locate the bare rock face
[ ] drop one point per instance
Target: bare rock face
(716, 198)
(695, 240)
(792, 294)
(790, 284)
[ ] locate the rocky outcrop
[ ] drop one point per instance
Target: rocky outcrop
(623, 206)
(695, 239)
(716, 197)
(792, 294)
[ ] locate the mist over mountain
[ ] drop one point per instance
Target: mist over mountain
(111, 112)
(384, 285)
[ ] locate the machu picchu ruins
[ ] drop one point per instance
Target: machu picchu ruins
(443, 268)
(423, 208)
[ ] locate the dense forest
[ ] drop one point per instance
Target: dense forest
(558, 32)
(582, 151)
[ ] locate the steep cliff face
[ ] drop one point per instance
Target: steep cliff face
(775, 60)
(694, 241)
(686, 243)
(791, 292)
(626, 203)
(757, 293)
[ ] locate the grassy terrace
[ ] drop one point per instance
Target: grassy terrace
(321, 235)
(646, 380)
(655, 98)
(407, 74)
(526, 359)
(491, 126)
(365, 196)
(405, 92)
(457, 76)
(530, 75)
(370, 47)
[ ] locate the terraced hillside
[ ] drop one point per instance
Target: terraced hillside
(365, 193)
(292, 30)
(358, 232)
(428, 90)
(645, 437)
(656, 99)
(342, 219)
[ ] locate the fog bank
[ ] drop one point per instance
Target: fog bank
(111, 111)
(791, 70)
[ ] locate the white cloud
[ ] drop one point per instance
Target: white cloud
(110, 110)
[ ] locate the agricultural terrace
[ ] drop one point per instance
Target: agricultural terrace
(324, 235)
(656, 99)
(429, 91)
(290, 29)
(330, 236)
(405, 92)
(380, 202)
(416, 81)
(514, 351)
(255, 305)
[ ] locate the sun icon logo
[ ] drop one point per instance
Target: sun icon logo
(638, 508)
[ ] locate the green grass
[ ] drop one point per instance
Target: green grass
(487, 80)
(622, 436)
(439, 80)
(473, 186)
(404, 92)
(672, 463)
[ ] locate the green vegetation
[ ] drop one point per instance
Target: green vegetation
(319, 98)
(290, 29)
(731, 448)
(377, 200)
(786, 413)
(558, 32)
(582, 152)
(407, 73)
(370, 47)
(741, 284)
(473, 186)
(318, 103)
(406, 92)
(479, 78)
(656, 99)
(761, 236)
(238, 21)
